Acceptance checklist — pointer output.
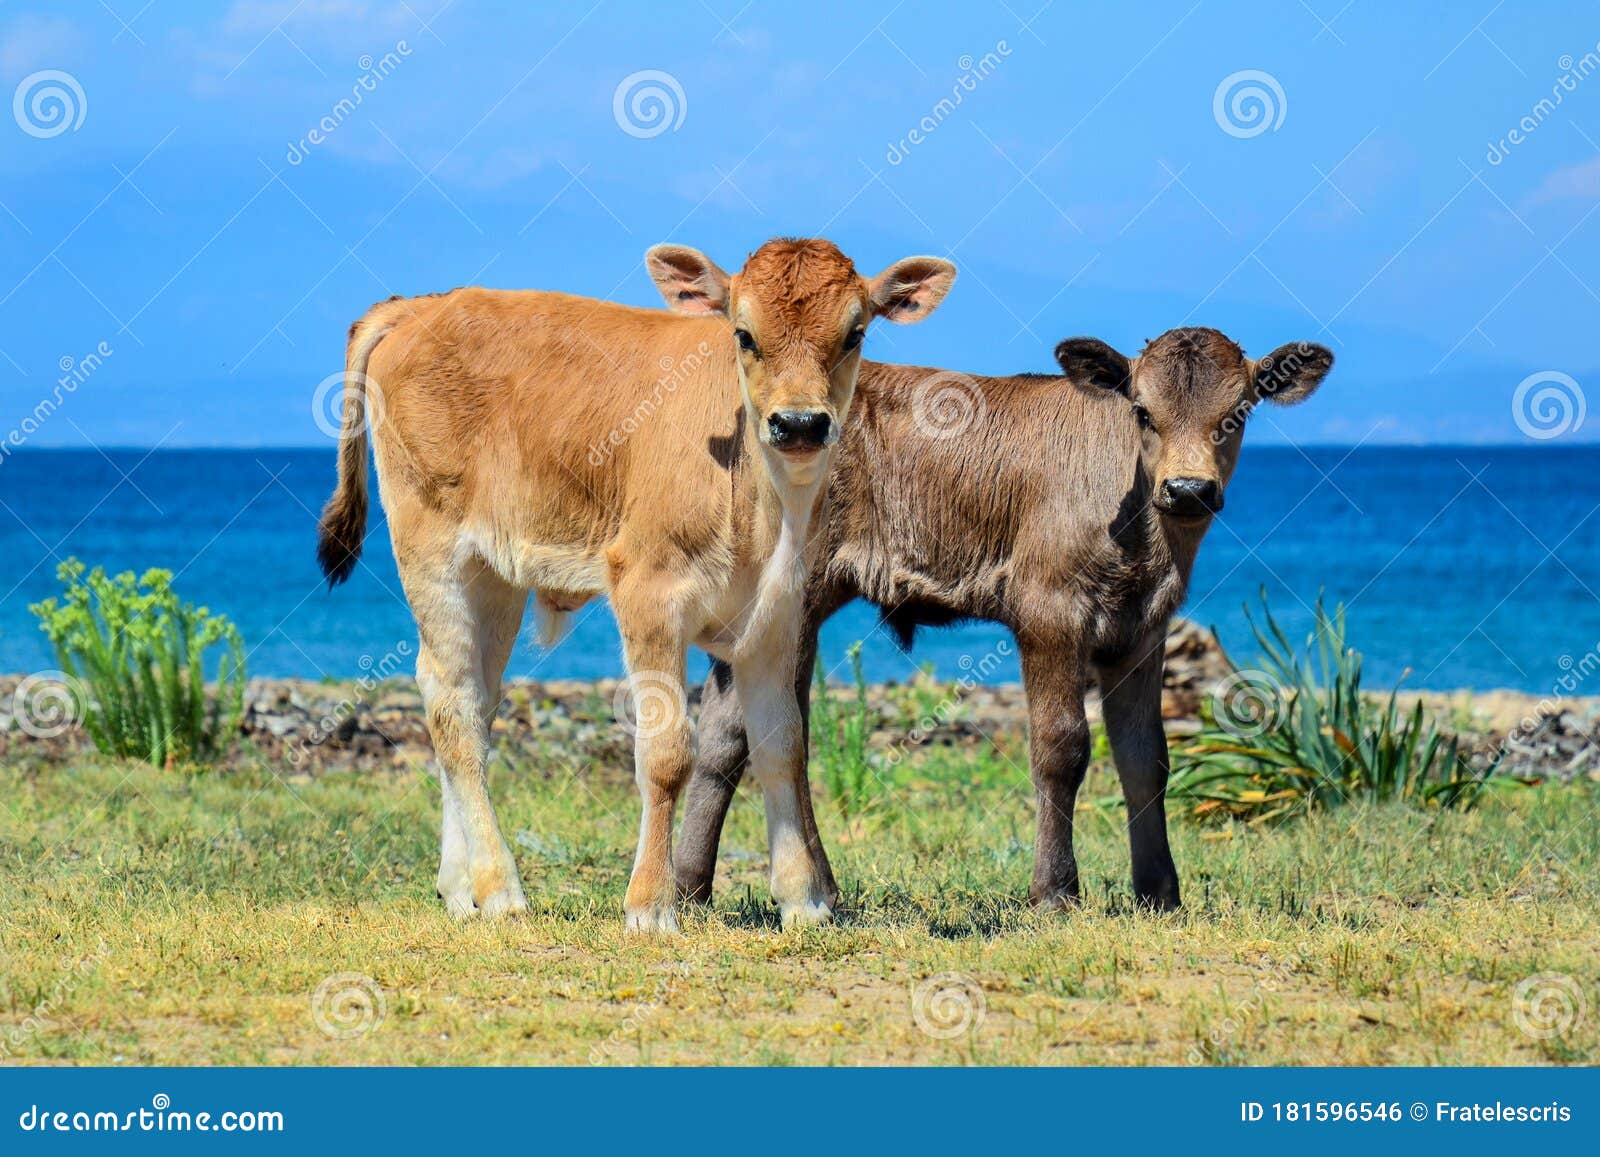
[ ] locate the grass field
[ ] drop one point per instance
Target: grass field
(170, 917)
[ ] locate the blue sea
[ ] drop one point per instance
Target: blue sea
(1461, 567)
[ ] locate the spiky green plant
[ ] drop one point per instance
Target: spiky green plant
(139, 654)
(1299, 733)
(839, 734)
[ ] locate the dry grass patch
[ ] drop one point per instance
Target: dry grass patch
(160, 917)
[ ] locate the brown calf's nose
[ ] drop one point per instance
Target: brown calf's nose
(799, 429)
(1192, 497)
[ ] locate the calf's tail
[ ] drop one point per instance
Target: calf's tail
(343, 527)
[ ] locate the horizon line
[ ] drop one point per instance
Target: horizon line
(332, 445)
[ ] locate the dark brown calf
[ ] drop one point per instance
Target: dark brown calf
(1069, 509)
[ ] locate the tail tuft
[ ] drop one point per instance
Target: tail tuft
(340, 535)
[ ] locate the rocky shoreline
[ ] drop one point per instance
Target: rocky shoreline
(311, 727)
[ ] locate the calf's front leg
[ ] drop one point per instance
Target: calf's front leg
(802, 882)
(1131, 698)
(1058, 753)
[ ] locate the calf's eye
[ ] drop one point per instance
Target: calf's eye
(1143, 417)
(853, 339)
(746, 342)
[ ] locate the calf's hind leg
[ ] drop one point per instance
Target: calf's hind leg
(663, 746)
(719, 766)
(467, 619)
(720, 763)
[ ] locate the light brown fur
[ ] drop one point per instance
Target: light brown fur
(495, 422)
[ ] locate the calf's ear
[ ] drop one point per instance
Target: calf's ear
(1291, 373)
(910, 290)
(688, 279)
(1091, 362)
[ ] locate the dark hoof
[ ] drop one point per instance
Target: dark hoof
(1057, 901)
(1162, 898)
(697, 892)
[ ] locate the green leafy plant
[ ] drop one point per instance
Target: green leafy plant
(1299, 733)
(140, 654)
(839, 734)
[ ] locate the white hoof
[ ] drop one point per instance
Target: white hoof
(505, 902)
(459, 904)
(805, 914)
(656, 920)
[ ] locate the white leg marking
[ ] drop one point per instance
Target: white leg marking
(455, 877)
(772, 727)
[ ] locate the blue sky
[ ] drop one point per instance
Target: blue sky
(1093, 179)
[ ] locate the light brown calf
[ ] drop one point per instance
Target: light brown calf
(536, 442)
